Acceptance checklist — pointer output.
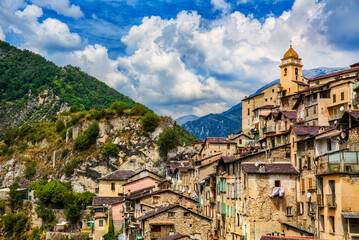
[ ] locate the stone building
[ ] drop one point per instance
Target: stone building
(217, 145)
(268, 195)
(174, 218)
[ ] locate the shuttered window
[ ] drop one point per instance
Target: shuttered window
(303, 185)
(310, 183)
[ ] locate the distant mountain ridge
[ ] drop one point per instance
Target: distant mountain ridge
(182, 120)
(208, 126)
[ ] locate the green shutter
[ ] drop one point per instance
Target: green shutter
(224, 185)
(231, 211)
(227, 211)
(224, 212)
(219, 186)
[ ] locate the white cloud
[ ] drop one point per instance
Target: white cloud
(221, 5)
(2, 35)
(206, 108)
(63, 7)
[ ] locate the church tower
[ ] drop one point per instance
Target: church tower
(290, 72)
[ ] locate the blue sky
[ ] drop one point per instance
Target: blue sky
(184, 57)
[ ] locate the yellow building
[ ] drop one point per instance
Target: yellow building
(111, 185)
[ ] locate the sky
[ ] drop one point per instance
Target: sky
(184, 57)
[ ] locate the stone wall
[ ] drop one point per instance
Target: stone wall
(193, 225)
(167, 198)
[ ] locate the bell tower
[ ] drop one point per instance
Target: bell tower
(290, 71)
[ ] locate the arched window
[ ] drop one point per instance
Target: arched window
(296, 71)
(285, 71)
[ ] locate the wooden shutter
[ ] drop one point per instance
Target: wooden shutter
(303, 185)
(310, 183)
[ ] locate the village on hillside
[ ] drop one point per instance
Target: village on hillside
(292, 172)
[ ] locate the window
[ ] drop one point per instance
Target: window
(314, 109)
(100, 223)
(277, 183)
(289, 211)
(171, 214)
(300, 208)
(266, 100)
(329, 145)
(113, 186)
(285, 71)
(342, 96)
(306, 112)
(228, 146)
(240, 141)
(310, 207)
(309, 163)
(332, 224)
(155, 199)
(186, 214)
(300, 164)
(296, 71)
(238, 220)
(334, 98)
(303, 186)
(249, 111)
(322, 223)
(249, 121)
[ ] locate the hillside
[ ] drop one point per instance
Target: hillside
(206, 126)
(33, 89)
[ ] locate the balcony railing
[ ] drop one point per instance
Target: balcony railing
(158, 234)
(330, 199)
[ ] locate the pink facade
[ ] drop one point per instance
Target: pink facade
(117, 211)
(139, 184)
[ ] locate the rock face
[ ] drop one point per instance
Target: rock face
(137, 151)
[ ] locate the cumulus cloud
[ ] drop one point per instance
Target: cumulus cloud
(221, 5)
(63, 7)
(206, 108)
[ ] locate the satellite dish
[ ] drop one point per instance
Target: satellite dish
(263, 144)
(342, 108)
(335, 122)
(343, 134)
(354, 93)
(256, 164)
(308, 195)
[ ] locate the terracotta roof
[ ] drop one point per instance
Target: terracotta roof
(300, 83)
(328, 134)
(290, 53)
(273, 135)
(139, 179)
(272, 113)
(119, 175)
(267, 107)
(218, 140)
(175, 236)
(353, 69)
(302, 130)
(228, 159)
(292, 115)
(162, 209)
(354, 113)
(139, 195)
(99, 201)
(174, 164)
(238, 135)
(355, 65)
(270, 168)
(146, 170)
(265, 237)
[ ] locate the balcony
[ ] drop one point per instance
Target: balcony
(155, 235)
(330, 199)
(343, 162)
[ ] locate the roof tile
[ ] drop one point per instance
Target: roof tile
(270, 168)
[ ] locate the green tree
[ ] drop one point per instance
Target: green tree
(14, 226)
(139, 110)
(45, 213)
(85, 140)
(75, 109)
(50, 193)
(73, 212)
(119, 107)
(110, 150)
(15, 197)
(150, 121)
(60, 125)
(10, 135)
(30, 172)
(169, 139)
(110, 235)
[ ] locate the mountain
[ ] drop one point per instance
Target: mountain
(34, 89)
(208, 126)
(182, 120)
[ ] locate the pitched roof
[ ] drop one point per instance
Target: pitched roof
(146, 170)
(292, 115)
(270, 168)
(302, 130)
(162, 209)
(238, 135)
(218, 140)
(99, 201)
(354, 113)
(300, 83)
(272, 113)
(175, 236)
(138, 194)
(119, 175)
(267, 107)
(228, 159)
(353, 69)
